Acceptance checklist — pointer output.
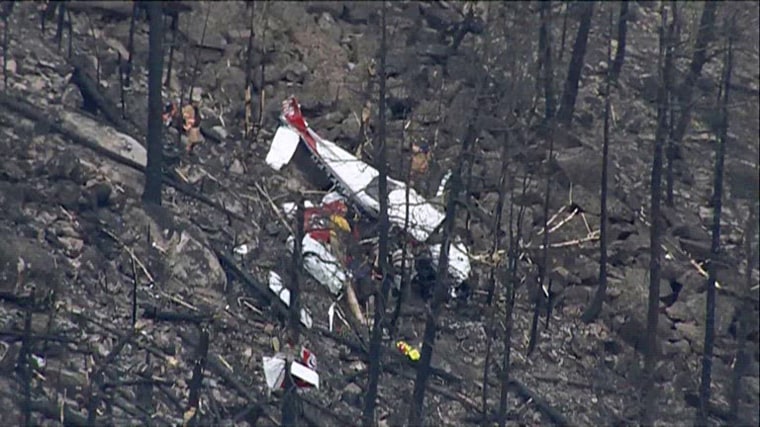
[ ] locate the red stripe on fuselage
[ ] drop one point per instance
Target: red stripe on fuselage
(292, 114)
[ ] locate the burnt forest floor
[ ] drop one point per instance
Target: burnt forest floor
(75, 235)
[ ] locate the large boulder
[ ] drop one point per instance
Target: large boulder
(189, 261)
(24, 262)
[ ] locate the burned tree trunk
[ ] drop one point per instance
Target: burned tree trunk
(192, 416)
(153, 170)
(490, 325)
(686, 89)
(545, 55)
(511, 284)
(622, 31)
(670, 150)
(416, 414)
(61, 21)
(570, 90)
(5, 14)
(295, 272)
(648, 409)
(563, 34)
(717, 204)
(375, 348)
(406, 264)
(131, 43)
(698, 60)
(496, 227)
(544, 265)
(24, 365)
(249, 77)
(262, 78)
(174, 26)
(595, 307)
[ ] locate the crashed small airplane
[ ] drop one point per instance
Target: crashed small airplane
(357, 182)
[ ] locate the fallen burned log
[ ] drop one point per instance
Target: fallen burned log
(541, 404)
(92, 95)
(258, 288)
(13, 336)
(44, 117)
(314, 419)
(214, 364)
(153, 313)
(465, 401)
(22, 301)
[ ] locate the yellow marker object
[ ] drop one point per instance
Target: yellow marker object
(408, 351)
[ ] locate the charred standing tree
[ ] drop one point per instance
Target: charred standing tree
(131, 43)
(5, 14)
(249, 75)
(595, 307)
(295, 272)
(648, 409)
(196, 381)
(563, 34)
(544, 265)
(673, 36)
(503, 180)
(717, 204)
(622, 31)
(511, 284)
(545, 55)
(262, 73)
(375, 348)
(570, 91)
(405, 266)
(60, 25)
(153, 171)
(441, 288)
(174, 26)
(698, 60)
(492, 274)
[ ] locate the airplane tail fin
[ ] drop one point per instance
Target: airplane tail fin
(284, 145)
(291, 112)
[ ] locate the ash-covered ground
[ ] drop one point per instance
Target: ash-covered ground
(75, 235)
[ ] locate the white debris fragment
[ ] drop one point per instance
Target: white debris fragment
(289, 208)
(274, 371)
(243, 249)
(321, 264)
(332, 196)
(283, 147)
(275, 285)
(304, 373)
(459, 261)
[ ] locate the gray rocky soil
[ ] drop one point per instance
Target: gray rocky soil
(75, 236)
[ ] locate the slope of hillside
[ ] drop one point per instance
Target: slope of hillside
(75, 236)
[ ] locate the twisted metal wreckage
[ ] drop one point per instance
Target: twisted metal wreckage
(354, 188)
(355, 183)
